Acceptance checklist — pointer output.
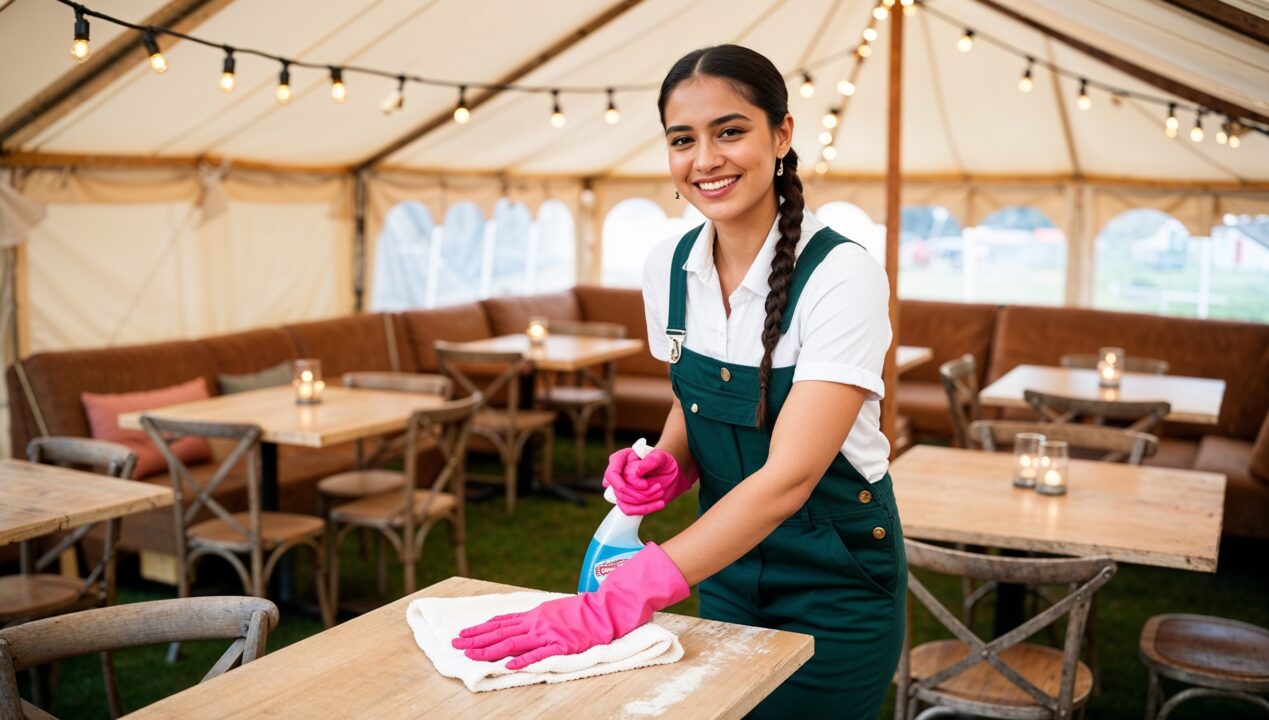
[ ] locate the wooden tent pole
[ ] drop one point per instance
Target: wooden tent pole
(894, 185)
(359, 241)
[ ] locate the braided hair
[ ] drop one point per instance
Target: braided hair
(757, 80)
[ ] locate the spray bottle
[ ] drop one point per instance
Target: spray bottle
(616, 540)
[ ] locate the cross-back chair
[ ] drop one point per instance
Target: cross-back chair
(960, 382)
(1142, 416)
(1132, 363)
(1117, 444)
(37, 590)
(246, 620)
(264, 537)
(1002, 677)
(509, 428)
(404, 516)
(590, 391)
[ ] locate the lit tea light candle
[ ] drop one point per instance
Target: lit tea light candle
(1055, 462)
(306, 377)
(537, 331)
(1110, 367)
(1026, 459)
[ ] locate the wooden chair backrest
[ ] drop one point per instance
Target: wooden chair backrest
(960, 382)
(449, 425)
(453, 359)
(1144, 416)
(1120, 445)
(1132, 363)
(1084, 576)
(246, 620)
(424, 383)
(164, 431)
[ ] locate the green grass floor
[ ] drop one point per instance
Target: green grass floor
(542, 544)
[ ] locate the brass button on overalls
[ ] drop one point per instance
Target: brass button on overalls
(726, 374)
(865, 497)
(879, 533)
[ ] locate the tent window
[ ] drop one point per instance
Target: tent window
(1148, 262)
(507, 260)
(851, 221)
(631, 229)
(553, 247)
(403, 259)
(461, 257)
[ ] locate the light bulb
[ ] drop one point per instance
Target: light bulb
(391, 103)
(870, 34)
(1171, 124)
(80, 50)
(284, 85)
(830, 152)
(557, 115)
(1222, 137)
(1083, 102)
(846, 88)
(966, 43)
(462, 113)
(830, 119)
(1026, 84)
(907, 3)
(808, 86)
(1196, 132)
(888, 3)
(611, 116)
(864, 50)
(1234, 141)
(826, 138)
(338, 92)
(158, 63)
(880, 12)
(909, 9)
(821, 167)
(227, 79)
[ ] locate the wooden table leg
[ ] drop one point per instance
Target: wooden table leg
(282, 583)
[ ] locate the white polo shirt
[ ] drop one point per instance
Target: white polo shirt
(839, 333)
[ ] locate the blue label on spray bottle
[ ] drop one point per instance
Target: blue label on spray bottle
(599, 561)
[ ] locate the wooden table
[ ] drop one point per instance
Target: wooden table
(1196, 400)
(371, 667)
(560, 353)
(39, 499)
(1135, 514)
(907, 357)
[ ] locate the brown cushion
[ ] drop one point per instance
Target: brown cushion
(248, 352)
(623, 306)
(1246, 498)
(643, 402)
(925, 405)
(1237, 353)
(1174, 452)
(950, 329)
(509, 315)
(456, 323)
(275, 376)
(1259, 463)
(347, 344)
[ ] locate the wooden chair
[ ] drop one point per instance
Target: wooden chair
(507, 429)
(1132, 363)
(264, 537)
(247, 621)
(369, 478)
(1142, 416)
(1223, 658)
(34, 592)
(960, 382)
(579, 401)
(405, 516)
(1004, 677)
(1119, 445)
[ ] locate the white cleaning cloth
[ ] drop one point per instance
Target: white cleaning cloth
(437, 621)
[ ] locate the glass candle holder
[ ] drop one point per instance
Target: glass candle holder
(1110, 366)
(1026, 459)
(537, 331)
(306, 377)
(1055, 468)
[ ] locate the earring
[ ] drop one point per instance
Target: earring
(779, 167)
(676, 195)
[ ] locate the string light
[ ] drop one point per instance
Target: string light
(80, 50)
(880, 12)
(864, 50)
(227, 80)
(966, 43)
(1222, 134)
(1234, 140)
(830, 118)
(808, 86)
(462, 113)
(284, 84)
(821, 167)
(395, 99)
(909, 7)
(888, 3)
(908, 3)
(870, 34)
(846, 88)
(157, 62)
(1083, 102)
(826, 138)
(338, 92)
(1171, 125)
(1026, 84)
(557, 115)
(830, 152)
(611, 116)
(1196, 132)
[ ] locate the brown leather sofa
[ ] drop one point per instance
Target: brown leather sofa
(1001, 338)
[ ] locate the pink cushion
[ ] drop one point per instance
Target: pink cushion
(103, 419)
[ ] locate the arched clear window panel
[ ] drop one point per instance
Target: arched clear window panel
(403, 258)
(931, 254)
(851, 221)
(508, 262)
(461, 257)
(631, 229)
(1240, 268)
(1016, 256)
(553, 247)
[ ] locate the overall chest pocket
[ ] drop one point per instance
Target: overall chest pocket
(720, 404)
(721, 432)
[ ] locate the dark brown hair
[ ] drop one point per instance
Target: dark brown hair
(756, 79)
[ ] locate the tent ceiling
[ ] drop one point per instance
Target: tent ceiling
(963, 113)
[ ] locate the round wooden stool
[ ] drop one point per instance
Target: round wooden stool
(1221, 657)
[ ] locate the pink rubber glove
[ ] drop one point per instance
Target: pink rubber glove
(646, 485)
(645, 583)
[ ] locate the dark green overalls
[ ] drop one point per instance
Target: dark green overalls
(835, 569)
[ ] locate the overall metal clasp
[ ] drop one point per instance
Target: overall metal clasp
(676, 338)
